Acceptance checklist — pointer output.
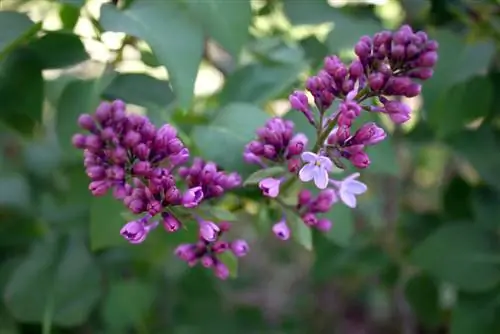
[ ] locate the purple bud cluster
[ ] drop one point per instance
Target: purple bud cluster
(276, 143)
(310, 206)
(387, 64)
(143, 166)
(209, 247)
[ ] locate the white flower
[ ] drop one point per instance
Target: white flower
(317, 168)
(349, 188)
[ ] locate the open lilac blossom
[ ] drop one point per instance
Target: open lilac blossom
(349, 188)
(281, 230)
(316, 168)
(270, 187)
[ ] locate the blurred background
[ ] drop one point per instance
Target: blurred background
(421, 253)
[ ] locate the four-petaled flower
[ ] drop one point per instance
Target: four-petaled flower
(349, 188)
(316, 168)
(270, 187)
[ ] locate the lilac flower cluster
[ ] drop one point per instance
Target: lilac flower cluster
(384, 70)
(276, 143)
(143, 166)
(209, 247)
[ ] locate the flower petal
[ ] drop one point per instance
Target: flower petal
(307, 172)
(321, 178)
(309, 157)
(326, 163)
(273, 191)
(348, 199)
(355, 187)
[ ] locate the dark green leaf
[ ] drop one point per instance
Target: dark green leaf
(300, 232)
(14, 29)
(21, 91)
(486, 207)
(463, 259)
(476, 313)
(69, 16)
(263, 173)
(140, 89)
(106, 222)
(423, 295)
(58, 49)
(59, 276)
(486, 160)
(458, 62)
(175, 38)
(257, 83)
(126, 304)
(456, 200)
(224, 139)
(347, 31)
(220, 213)
(311, 12)
(14, 192)
(225, 21)
(231, 261)
(455, 109)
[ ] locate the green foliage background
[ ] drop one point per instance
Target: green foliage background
(421, 254)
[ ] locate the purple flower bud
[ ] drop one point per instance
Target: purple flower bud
(251, 158)
(269, 151)
(239, 247)
(131, 139)
(185, 252)
(135, 204)
(175, 145)
(208, 230)
(356, 69)
(294, 165)
(173, 195)
(220, 247)
(121, 191)
(297, 144)
(207, 261)
(281, 230)
(270, 187)
(398, 111)
(221, 271)
(79, 140)
(360, 159)
(299, 101)
(108, 134)
(326, 198)
(428, 59)
(135, 232)
(96, 172)
(192, 197)
(304, 197)
(93, 143)
(166, 132)
(115, 173)
(413, 90)
(362, 50)
(119, 155)
(398, 52)
(309, 219)
(422, 73)
(103, 112)
(142, 151)
(170, 223)
(142, 168)
(323, 225)
(376, 81)
(99, 188)
(153, 207)
(369, 134)
(85, 121)
(180, 158)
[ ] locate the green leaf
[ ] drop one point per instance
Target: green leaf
(106, 222)
(459, 254)
(119, 312)
(78, 97)
(423, 295)
(140, 89)
(232, 31)
(458, 62)
(220, 213)
(58, 277)
(456, 200)
(58, 49)
(15, 27)
(224, 139)
(347, 31)
(486, 207)
(258, 83)
(231, 261)
(485, 160)
(21, 91)
(69, 16)
(175, 38)
(383, 158)
(301, 233)
(255, 178)
(476, 313)
(455, 108)
(309, 13)
(342, 229)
